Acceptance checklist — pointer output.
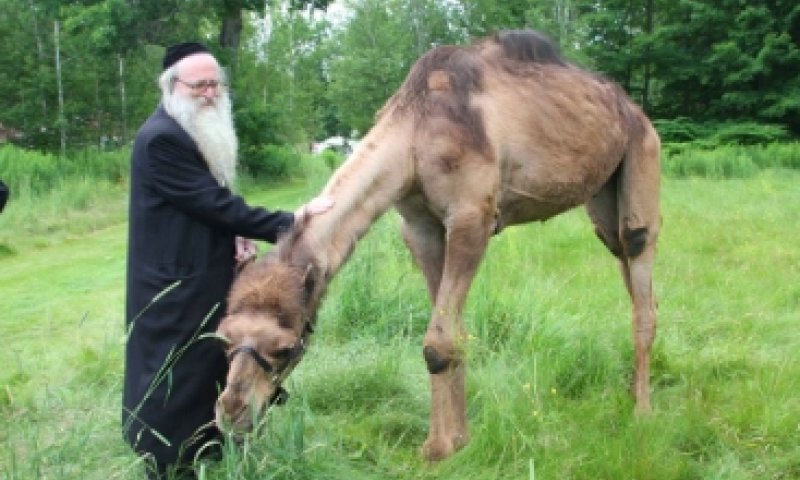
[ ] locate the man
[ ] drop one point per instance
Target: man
(186, 232)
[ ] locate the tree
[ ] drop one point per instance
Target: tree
(729, 61)
(375, 51)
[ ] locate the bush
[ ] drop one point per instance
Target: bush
(748, 133)
(271, 162)
(332, 159)
(678, 130)
(714, 134)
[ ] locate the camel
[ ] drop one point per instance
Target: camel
(478, 138)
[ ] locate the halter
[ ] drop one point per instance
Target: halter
(277, 375)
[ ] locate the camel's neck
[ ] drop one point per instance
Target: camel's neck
(363, 188)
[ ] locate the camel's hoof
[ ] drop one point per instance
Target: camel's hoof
(435, 449)
(642, 408)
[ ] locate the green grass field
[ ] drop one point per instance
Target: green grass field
(549, 353)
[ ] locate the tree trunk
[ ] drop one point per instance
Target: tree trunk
(230, 36)
(41, 58)
(122, 99)
(648, 28)
(62, 120)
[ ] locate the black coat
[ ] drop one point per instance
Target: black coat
(182, 229)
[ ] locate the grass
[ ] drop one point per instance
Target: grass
(549, 355)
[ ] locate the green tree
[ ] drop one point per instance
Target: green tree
(728, 61)
(374, 52)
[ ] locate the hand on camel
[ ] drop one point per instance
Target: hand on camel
(314, 207)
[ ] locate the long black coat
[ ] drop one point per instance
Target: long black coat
(182, 229)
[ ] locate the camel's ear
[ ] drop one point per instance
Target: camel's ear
(221, 336)
(289, 239)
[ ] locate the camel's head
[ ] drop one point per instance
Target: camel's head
(265, 333)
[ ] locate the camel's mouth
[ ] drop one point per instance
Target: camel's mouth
(242, 420)
(238, 424)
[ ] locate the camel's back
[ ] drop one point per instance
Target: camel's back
(555, 130)
(554, 133)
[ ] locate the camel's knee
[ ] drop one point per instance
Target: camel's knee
(436, 361)
(634, 241)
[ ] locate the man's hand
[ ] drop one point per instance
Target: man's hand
(246, 250)
(314, 207)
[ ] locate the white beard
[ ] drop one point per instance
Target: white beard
(211, 127)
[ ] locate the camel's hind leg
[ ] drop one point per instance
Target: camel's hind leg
(626, 217)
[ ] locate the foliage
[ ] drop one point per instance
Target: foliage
(713, 133)
(256, 126)
(281, 72)
(748, 133)
(728, 161)
(729, 61)
(680, 129)
(272, 162)
(319, 75)
(332, 159)
(376, 50)
(33, 173)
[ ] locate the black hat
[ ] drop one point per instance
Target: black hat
(180, 51)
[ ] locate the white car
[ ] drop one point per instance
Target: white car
(337, 144)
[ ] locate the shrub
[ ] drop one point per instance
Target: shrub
(748, 133)
(713, 134)
(332, 159)
(271, 161)
(678, 130)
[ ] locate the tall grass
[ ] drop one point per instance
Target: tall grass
(31, 173)
(549, 353)
(728, 161)
(53, 197)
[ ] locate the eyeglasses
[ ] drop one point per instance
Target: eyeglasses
(201, 85)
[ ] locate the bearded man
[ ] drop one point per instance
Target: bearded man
(187, 230)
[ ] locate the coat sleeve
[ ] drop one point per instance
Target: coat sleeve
(189, 186)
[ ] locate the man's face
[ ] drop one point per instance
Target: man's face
(200, 103)
(199, 79)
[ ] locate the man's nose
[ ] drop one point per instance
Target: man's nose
(210, 92)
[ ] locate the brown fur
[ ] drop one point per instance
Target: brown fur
(269, 286)
(477, 139)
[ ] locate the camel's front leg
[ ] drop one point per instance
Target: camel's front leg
(467, 236)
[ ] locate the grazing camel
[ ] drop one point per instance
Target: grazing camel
(478, 138)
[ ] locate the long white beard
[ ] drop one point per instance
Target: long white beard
(211, 127)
